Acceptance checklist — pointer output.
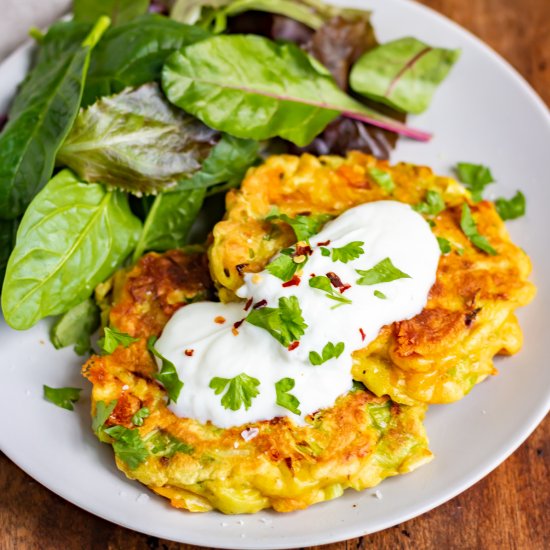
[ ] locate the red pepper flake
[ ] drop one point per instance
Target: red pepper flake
(248, 304)
(235, 331)
(219, 319)
(363, 335)
(312, 274)
(259, 304)
(293, 346)
(324, 243)
(295, 281)
(302, 250)
(337, 282)
(189, 352)
(237, 324)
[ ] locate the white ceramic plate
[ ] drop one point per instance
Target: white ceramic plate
(484, 113)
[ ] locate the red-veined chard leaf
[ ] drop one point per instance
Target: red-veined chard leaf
(136, 141)
(43, 113)
(252, 87)
(72, 237)
(133, 54)
(119, 11)
(404, 73)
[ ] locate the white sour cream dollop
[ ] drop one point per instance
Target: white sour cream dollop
(202, 347)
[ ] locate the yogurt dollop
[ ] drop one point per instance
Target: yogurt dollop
(385, 279)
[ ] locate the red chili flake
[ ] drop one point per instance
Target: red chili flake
(189, 352)
(248, 304)
(312, 274)
(302, 251)
(324, 243)
(237, 324)
(240, 268)
(219, 319)
(294, 345)
(363, 335)
(259, 304)
(235, 331)
(295, 281)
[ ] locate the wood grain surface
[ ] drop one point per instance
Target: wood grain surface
(509, 509)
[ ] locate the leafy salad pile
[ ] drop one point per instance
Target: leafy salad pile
(132, 122)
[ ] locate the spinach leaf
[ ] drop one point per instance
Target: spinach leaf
(136, 141)
(169, 220)
(72, 237)
(76, 326)
(403, 74)
(8, 230)
(119, 11)
(251, 87)
(43, 113)
(133, 54)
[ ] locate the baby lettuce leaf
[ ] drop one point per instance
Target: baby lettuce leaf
(404, 73)
(72, 237)
(169, 220)
(43, 113)
(133, 54)
(76, 326)
(136, 141)
(8, 230)
(252, 87)
(119, 11)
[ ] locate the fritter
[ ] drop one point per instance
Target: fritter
(358, 442)
(439, 355)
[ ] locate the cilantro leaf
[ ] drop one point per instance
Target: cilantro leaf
(62, 397)
(433, 205)
(322, 282)
(350, 251)
(380, 295)
(241, 390)
(283, 267)
(304, 226)
(511, 209)
(382, 272)
(168, 374)
(165, 444)
(383, 179)
(330, 351)
(137, 419)
(475, 177)
(113, 338)
(469, 227)
(128, 445)
(325, 251)
(444, 245)
(102, 413)
(284, 323)
(285, 399)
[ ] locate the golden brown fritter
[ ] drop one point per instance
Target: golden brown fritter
(356, 443)
(440, 354)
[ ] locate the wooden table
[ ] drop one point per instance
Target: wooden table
(509, 509)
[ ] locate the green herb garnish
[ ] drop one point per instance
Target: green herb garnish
(113, 338)
(475, 177)
(444, 245)
(330, 351)
(321, 282)
(382, 272)
(383, 179)
(285, 399)
(433, 205)
(469, 227)
(380, 295)
(168, 374)
(350, 251)
(511, 209)
(164, 444)
(242, 389)
(62, 397)
(102, 413)
(304, 226)
(137, 419)
(284, 267)
(285, 323)
(128, 445)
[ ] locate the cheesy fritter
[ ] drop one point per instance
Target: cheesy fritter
(439, 355)
(356, 443)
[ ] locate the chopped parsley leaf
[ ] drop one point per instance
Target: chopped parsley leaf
(102, 413)
(383, 179)
(62, 397)
(164, 444)
(285, 323)
(475, 177)
(128, 445)
(325, 251)
(285, 399)
(304, 226)
(330, 351)
(469, 227)
(168, 374)
(113, 338)
(137, 419)
(322, 282)
(444, 245)
(511, 209)
(433, 205)
(242, 389)
(380, 295)
(350, 251)
(382, 272)
(283, 267)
